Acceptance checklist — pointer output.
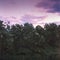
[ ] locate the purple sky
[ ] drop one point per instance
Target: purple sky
(37, 12)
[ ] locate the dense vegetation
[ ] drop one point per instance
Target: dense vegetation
(24, 42)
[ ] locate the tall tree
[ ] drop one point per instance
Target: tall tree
(16, 31)
(50, 34)
(3, 39)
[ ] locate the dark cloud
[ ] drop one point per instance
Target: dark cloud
(50, 5)
(55, 0)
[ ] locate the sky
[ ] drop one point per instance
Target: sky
(37, 12)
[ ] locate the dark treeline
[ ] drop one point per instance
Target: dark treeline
(24, 42)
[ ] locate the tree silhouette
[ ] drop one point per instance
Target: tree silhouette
(37, 43)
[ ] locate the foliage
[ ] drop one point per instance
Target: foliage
(24, 42)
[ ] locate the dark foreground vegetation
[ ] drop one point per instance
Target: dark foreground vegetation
(24, 42)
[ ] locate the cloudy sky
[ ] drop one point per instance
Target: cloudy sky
(37, 12)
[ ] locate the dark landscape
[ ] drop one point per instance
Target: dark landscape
(24, 42)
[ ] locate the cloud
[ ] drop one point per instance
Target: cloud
(11, 19)
(52, 6)
(8, 1)
(32, 19)
(35, 20)
(7, 4)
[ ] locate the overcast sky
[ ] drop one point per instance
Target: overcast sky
(37, 12)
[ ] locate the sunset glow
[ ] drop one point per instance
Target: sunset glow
(37, 12)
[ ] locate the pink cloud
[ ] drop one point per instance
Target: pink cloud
(32, 19)
(35, 20)
(11, 19)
